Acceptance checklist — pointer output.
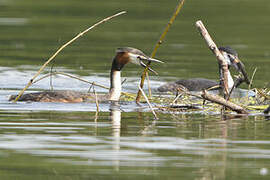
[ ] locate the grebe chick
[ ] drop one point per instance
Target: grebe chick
(198, 84)
(123, 56)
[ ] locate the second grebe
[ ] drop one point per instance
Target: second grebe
(198, 84)
(123, 56)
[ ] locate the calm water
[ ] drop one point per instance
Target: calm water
(66, 141)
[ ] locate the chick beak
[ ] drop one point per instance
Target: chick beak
(241, 68)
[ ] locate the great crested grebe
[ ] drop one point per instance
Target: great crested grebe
(198, 84)
(123, 56)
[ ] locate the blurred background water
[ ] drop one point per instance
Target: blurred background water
(60, 141)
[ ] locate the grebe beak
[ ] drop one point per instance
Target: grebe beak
(138, 59)
(141, 58)
(241, 68)
(149, 59)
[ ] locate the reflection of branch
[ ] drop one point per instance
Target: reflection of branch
(60, 49)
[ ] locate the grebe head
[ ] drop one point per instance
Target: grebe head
(231, 56)
(125, 55)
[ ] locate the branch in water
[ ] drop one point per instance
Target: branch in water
(219, 100)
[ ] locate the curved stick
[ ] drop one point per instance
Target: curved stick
(61, 48)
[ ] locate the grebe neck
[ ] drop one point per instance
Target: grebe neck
(116, 86)
(229, 77)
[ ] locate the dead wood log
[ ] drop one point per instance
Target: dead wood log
(219, 100)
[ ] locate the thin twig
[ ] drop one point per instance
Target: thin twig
(61, 48)
(252, 77)
(177, 97)
(97, 105)
(90, 88)
(159, 42)
(150, 106)
(70, 76)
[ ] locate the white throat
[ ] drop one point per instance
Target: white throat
(116, 87)
(230, 80)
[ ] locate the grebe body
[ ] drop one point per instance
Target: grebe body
(198, 84)
(123, 56)
(193, 84)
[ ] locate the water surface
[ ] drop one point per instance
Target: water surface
(67, 141)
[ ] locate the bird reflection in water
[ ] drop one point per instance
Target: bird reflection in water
(115, 116)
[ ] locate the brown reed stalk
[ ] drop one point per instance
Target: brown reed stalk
(159, 42)
(61, 48)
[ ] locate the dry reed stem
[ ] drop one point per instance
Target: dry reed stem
(177, 97)
(61, 48)
(149, 104)
(159, 42)
(252, 77)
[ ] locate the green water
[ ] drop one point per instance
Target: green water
(58, 141)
